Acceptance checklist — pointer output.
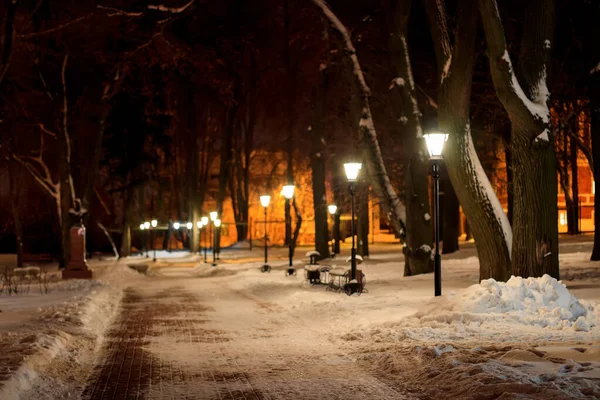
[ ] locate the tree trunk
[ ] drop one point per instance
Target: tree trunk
(535, 231)
(15, 195)
(7, 51)
(487, 221)
(338, 200)
(362, 233)
(509, 182)
(451, 219)
(574, 186)
(417, 237)
(317, 164)
(367, 134)
(128, 207)
(594, 93)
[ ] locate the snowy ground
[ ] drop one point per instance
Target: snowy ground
(190, 330)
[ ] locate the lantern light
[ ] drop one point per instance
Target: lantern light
(332, 209)
(435, 143)
(176, 225)
(352, 170)
(147, 225)
(213, 215)
(142, 226)
(265, 200)
(288, 191)
(154, 223)
(189, 225)
(217, 222)
(204, 221)
(199, 224)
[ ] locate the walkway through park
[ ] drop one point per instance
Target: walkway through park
(182, 338)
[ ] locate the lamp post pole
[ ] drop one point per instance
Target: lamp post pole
(154, 224)
(437, 271)
(289, 222)
(353, 250)
(266, 238)
(435, 144)
(204, 240)
(332, 208)
(264, 201)
(288, 193)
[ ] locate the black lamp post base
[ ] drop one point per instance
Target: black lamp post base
(290, 271)
(353, 287)
(265, 268)
(214, 264)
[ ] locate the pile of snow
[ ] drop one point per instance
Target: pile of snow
(536, 308)
(543, 302)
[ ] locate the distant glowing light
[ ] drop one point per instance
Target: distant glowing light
(435, 143)
(332, 209)
(213, 215)
(352, 170)
(189, 225)
(265, 200)
(217, 222)
(176, 225)
(288, 191)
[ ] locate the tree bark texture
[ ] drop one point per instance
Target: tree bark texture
(451, 218)
(317, 164)
(417, 237)
(524, 95)
(395, 211)
(485, 215)
(362, 233)
(9, 31)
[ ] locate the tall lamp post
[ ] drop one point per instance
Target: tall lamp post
(332, 208)
(435, 144)
(154, 223)
(147, 227)
(288, 192)
(204, 221)
(142, 227)
(199, 225)
(264, 201)
(213, 216)
(217, 223)
(189, 226)
(352, 170)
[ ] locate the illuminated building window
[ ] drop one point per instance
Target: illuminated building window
(563, 218)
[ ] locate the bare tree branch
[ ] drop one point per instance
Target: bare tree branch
(172, 10)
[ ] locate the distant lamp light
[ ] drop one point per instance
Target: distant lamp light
(176, 225)
(288, 191)
(332, 209)
(199, 224)
(147, 225)
(352, 170)
(204, 221)
(435, 143)
(189, 225)
(217, 222)
(213, 215)
(154, 223)
(265, 200)
(142, 226)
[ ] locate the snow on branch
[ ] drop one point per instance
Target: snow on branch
(172, 10)
(118, 12)
(596, 69)
(368, 135)
(509, 90)
(55, 29)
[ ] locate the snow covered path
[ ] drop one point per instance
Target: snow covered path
(200, 339)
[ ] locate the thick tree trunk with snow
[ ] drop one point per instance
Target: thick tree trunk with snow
(417, 238)
(396, 213)
(487, 221)
(451, 219)
(535, 231)
(594, 93)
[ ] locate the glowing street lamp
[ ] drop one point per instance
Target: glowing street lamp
(352, 170)
(332, 208)
(264, 201)
(154, 223)
(435, 144)
(146, 227)
(213, 215)
(176, 225)
(189, 225)
(288, 192)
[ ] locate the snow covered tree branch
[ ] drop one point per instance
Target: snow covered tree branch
(367, 133)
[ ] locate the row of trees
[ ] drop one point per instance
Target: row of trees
(122, 112)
